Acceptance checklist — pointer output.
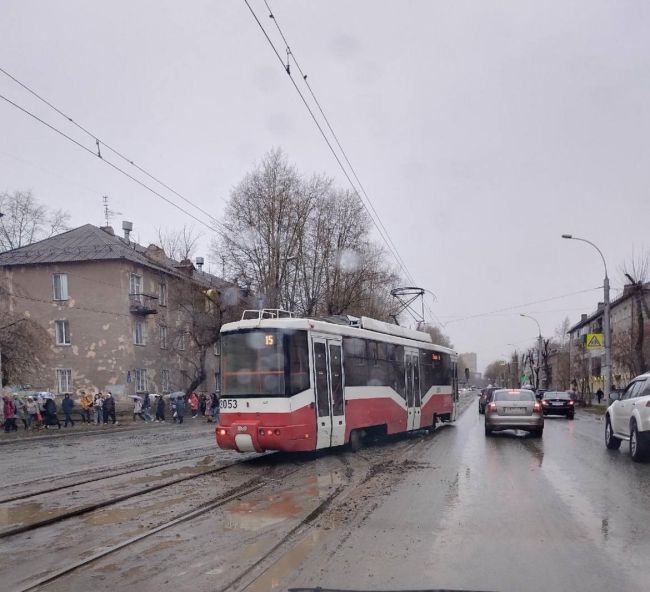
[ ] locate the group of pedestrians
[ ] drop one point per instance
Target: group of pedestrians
(206, 405)
(99, 409)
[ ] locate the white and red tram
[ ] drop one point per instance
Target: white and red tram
(299, 384)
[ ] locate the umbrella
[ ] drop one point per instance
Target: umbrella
(45, 395)
(176, 395)
(135, 397)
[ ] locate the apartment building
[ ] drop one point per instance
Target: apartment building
(109, 308)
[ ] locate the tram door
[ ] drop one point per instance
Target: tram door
(412, 383)
(328, 387)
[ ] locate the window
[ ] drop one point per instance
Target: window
(162, 294)
(139, 333)
(163, 337)
(180, 342)
(64, 380)
(135, 287)
(140, 380)
(164, 379)
(62, 330)
(217, 382)
(60, 281)
(217, 348)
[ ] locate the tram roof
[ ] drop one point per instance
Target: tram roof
(408, 337)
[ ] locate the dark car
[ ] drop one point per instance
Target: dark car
(486, 397)
(558, 403)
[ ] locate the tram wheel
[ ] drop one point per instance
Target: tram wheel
(356, 440)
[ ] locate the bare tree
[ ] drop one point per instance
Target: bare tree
(437, 335)
(203, 312)
(23, 345)
(26, 221)
(300, 244)
(495, 371)
(178, 244)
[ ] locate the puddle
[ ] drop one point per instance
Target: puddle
(120, 515)
(281, 506)
(181, 472)
(26, 512)
(273, 577)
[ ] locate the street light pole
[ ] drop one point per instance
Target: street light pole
(539, 346)
(606, 317)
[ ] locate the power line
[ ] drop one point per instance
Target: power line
(327, 141)
(291, 55)
(99, 142)
(515, 307)
(110, 164)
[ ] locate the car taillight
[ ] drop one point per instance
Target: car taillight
(572, 402)
(544, 402)
(537, 407)
(492, 407)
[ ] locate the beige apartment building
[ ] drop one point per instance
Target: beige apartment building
(109, 307)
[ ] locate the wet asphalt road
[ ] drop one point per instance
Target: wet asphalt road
(453, 509)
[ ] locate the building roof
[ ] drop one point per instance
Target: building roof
(626, 295)
(91, 243)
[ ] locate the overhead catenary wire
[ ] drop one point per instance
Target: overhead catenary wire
(99, 142)
(111, 164)
(327, 140)
(291, 56)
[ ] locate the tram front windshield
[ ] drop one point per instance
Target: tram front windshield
(268, 362)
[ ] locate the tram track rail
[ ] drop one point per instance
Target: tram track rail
(91, 507)
(102, 477)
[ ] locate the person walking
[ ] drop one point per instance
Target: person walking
(208, 407)
(21, 412)
(31, 407)
(49, 409)
(137, 410)
(86, 404)
(599, 394)
(109, 408)
(215, 407)
(160, 408)
(194, 405)
(67, 405)
(203, 403)
(180, 409)
(98, 408)
(9, 408)
(146, 407)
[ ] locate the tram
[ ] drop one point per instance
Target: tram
(299, 384)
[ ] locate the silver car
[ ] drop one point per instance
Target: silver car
(514, 409)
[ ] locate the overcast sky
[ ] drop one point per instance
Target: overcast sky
(481, 130)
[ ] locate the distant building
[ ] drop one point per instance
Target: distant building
(105, 302)
(586, 364)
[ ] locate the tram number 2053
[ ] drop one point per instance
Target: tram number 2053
(228, 403)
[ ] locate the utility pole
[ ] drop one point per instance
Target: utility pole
(607, 366)
(539, 347)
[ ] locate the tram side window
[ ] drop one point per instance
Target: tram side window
(297, 362)
(441, 368)
(355, 361)
(426, 371)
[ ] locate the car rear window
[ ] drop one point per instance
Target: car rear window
(514, 395)
(557, 395)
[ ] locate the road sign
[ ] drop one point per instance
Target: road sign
(595, 341)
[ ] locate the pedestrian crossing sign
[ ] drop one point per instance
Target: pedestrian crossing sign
(595, 340)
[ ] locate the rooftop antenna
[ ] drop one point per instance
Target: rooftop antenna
(108, 213)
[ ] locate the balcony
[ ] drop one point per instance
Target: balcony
(143, 304)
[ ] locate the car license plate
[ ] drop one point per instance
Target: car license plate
(516, 411)
(558, 404)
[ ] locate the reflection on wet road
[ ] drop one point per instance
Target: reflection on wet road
(504, 513)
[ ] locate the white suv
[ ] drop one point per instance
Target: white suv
(628, 418)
